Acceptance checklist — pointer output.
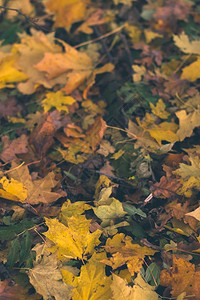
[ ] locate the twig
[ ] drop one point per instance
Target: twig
(29, 20)
(101, 37)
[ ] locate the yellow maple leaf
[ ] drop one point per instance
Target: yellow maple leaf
(159, 109)
(151, 35)
(191, 72)
(187, 122)
(165, 131)
(139, 71)
(140, 289)
(13, 190)
(125, 252)
(134, 32)
(57, 100)
(72, 209)
(75, 65)
(8, 72)
(190, 176)
(182, 41)
(92, 284)
(67, 12)
(74, 241)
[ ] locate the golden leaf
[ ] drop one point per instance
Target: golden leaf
(159, 109)
(191, 72)
(8, 72)
(187, 122)
(67, 12)
(13, 190)
(181, 277)
(57, 100)
(125, 252)
(74, 241)
(92, 284)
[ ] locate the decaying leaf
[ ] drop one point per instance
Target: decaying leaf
(140, 290)
(47, 279)
(182, 277)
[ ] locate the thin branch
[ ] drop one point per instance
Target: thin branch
(32, 21)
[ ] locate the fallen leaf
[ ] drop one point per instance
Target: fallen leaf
(109, 212)
(42, 137)
(57, 100)
(92, 282)
(13, 190)
(125, 252)
(67, 13)
(74, 240)
(24, 6)
(159, 109)
(30, 51)
(11, 148)
(31, 191)
(95, 134)
(47, 279)
(140, 289)
(192, 71)
(8, 72)
(11, 291)
(182, 277)
(76, 66)
(182, 41)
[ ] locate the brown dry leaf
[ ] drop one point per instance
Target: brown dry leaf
(11, 148)
(177, 210)
(30, 51)
(94, 17)
(76, 66)
(67, 12)
(182, 277)
(167, 186)
(42, 137)
(47, 279)
(37, 190)
(11, 291)
(95, 134)
(9, 108)
(125, 252)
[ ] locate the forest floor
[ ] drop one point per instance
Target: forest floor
(100, 149)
